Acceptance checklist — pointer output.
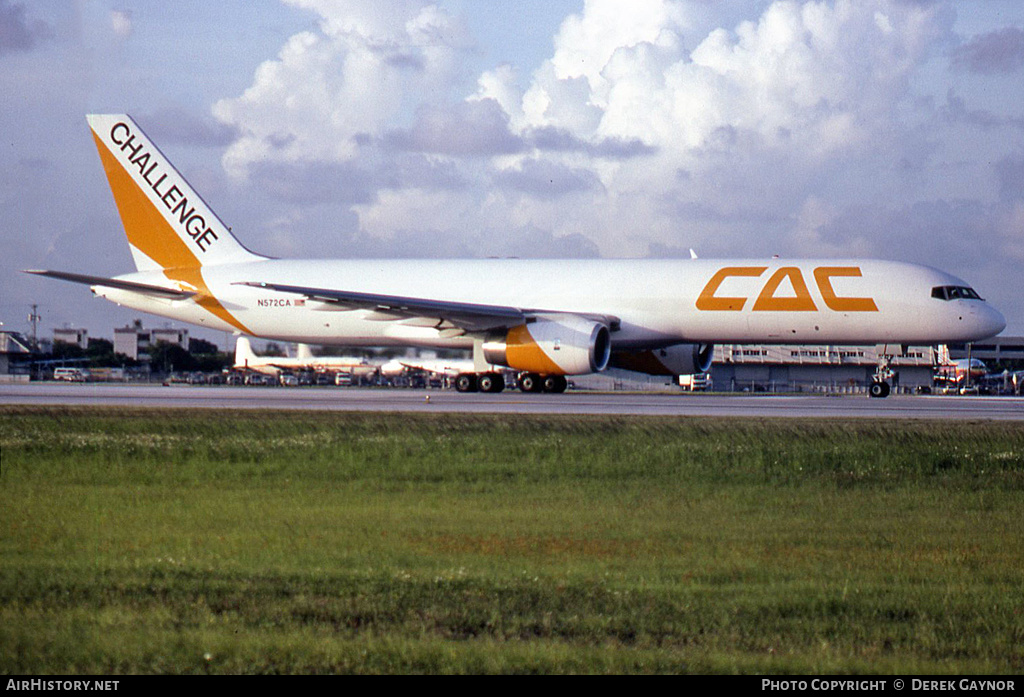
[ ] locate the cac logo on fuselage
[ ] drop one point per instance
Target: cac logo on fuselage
(767, 300)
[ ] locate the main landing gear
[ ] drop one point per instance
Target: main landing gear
(532, 382)
(495, 382)
(480, 382)
(485, 379)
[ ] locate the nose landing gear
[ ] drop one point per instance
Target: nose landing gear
(880, 386)
(879, 389)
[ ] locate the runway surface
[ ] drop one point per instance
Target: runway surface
(407, 400)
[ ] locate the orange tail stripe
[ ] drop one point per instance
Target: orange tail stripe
(149, 233)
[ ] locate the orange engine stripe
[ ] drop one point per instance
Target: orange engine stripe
(523, 353)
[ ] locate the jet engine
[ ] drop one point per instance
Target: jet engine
(566, 345)
(680, 359)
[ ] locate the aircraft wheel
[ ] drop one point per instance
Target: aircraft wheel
(530, 382)
(491, 382)
(466, 382)
(555, 383)
(879, 390)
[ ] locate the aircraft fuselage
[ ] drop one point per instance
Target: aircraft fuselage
(659, 302)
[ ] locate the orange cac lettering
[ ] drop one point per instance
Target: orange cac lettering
(801, 303)
(708, 301)
(824, 274)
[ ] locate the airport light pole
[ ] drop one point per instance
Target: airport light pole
(34, 319)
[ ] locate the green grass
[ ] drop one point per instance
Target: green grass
(228, 541)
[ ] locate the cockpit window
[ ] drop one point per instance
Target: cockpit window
(955, 293)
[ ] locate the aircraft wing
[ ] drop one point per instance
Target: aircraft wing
(280, 366)
(145, 288)
(443, 313)
(449, 369)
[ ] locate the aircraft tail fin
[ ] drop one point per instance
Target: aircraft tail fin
(244, 355)
(168, 224)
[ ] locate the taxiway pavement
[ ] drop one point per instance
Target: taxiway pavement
(509, 402)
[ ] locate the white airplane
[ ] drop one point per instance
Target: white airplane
(958, 371)
(544, 318)
(246, 359)
(446, 367)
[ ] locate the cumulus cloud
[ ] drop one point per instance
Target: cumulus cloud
(646, 131)
(1010, 174)
(476, 128)
(803, 74)
(552, 139)
(547, 180)
(801, 89)
(121, 23)
(177, 125)
(370, 63)
(316, 182)
(1000, 51)
(956, 111)
(17, 31)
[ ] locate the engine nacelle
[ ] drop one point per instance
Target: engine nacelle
(563, 346)
(681, 359)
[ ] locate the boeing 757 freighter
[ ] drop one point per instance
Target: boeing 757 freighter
(545, 319)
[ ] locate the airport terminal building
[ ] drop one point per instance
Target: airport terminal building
(15, 350)
(771, 368)
(784, 368)
(1000, 348)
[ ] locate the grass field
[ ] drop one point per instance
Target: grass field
(227, 541)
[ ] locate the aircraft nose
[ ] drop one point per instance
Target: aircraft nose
(989, 321)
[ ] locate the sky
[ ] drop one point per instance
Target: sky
(889, 129)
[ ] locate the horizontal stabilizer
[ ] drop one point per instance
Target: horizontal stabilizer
(160, 291)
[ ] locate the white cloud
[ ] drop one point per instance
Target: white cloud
(121, 22)
(825, 71)
(362, 73)
(753, 115)
(645, 130)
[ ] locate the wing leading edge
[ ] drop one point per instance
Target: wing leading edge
(469, 317)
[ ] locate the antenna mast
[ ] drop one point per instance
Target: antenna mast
(34, 319)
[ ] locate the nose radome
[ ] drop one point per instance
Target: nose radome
(990, 321)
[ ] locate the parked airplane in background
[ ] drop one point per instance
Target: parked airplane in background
(442, 367)
(545, 319)
(962, 371)
(246, 359)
